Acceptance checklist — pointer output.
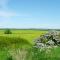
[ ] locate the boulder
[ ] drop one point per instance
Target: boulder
(52, 38)
(50, 43)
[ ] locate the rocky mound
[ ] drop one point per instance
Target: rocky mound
(52, 38)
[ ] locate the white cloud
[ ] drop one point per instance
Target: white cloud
(7, 14)
(3, 7)
(3, 3)
(11, 14)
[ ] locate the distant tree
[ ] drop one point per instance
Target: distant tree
(7, 31)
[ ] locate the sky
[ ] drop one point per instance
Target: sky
(30, 14)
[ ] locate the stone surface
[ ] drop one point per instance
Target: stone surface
(51, 38)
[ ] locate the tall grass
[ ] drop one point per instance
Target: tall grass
(12, 44)
(12, 41)
(18, 47)
(45, 54)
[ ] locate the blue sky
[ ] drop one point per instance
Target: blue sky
(30, 14)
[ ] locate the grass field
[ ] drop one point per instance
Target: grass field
(18, 46)
(29, 35)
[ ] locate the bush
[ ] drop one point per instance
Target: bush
(9, 58)
(8, 31)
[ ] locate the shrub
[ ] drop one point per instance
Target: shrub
(8, 31)
(9, 58)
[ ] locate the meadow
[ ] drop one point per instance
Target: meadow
(19, 46)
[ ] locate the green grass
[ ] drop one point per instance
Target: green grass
(47, 54)
(19, 46)
(29, 35)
